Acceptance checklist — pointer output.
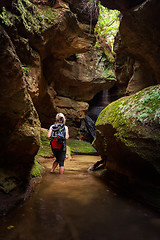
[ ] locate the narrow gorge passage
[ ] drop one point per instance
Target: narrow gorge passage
(78, 205)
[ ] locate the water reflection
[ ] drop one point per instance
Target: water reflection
(77, 205)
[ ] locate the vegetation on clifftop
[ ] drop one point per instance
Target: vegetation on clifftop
(33, 18)
(105, 32)
(106, 28)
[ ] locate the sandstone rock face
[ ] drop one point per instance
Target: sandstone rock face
(138, 41)
(122, 5)
(20, 126)
(38, 79)
(74, 112)
(87, 11)
(142, 39)
(37, 72)
(71, 108)
(80, 76)
(128, 136)
(132, 75)
(47, 36)
(124, 72)
(64, 37)
(140, 79)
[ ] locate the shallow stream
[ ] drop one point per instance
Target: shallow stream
(78, 206)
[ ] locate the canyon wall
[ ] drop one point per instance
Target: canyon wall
(128, 130)
(49, 64)
(137, 44)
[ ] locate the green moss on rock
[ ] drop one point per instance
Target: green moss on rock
(7, 17)
(37, 169)
(45, 147)
(80, 147)
(134, 113)
(35, 19)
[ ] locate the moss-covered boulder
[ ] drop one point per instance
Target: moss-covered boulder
(128, 136)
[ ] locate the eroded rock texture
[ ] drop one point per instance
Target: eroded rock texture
(56, 49)
(80, 76)
(20, 125)
(137, 44)
(48, 64)
(19, 119)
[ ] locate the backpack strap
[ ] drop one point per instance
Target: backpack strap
(57, 128)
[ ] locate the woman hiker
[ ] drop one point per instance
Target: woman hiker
(56, 131)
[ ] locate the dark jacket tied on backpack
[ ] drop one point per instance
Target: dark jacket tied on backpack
(58, 136)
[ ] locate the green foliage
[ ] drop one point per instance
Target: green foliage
(107, 27)
(31, 17)
(7, 18)
(27, 18)
(25, 68)
(108, 73)
(4, 17)
(34, 19)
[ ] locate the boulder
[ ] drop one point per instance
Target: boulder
(128, 136)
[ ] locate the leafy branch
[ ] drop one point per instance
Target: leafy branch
(107, 27)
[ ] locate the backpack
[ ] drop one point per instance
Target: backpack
(58, 135)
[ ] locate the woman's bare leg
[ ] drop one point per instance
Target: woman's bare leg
(54, 166)
(61, 170)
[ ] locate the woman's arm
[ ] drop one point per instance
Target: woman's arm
(49, 132)
(67, 133)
